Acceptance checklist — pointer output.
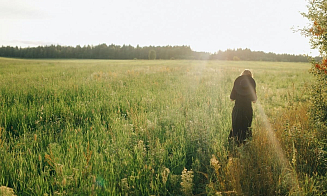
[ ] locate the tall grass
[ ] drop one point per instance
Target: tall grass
(98, 127)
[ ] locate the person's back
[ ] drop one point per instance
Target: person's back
(244, 94)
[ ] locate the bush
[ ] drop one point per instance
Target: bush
(317, 33)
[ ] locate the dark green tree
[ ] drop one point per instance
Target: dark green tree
(152, 55)
(104, 51)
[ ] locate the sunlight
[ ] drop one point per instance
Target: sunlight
(277, 147)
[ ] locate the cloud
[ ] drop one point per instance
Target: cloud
(25, 43)
(18, 10)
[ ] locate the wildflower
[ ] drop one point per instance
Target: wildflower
(165, 174)
(187, 181)
(214, 162)
(6, 191)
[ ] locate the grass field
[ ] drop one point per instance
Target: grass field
(110, 127)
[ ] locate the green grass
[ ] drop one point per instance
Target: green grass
(110, 127)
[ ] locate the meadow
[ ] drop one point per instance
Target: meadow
(160, 127)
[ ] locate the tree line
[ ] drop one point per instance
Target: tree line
(104, 51)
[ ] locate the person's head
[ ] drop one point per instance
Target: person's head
(246, 72)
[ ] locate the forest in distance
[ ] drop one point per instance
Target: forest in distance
(104, 51)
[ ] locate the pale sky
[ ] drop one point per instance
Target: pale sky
(204, 25)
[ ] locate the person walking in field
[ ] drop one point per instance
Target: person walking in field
(243, 93)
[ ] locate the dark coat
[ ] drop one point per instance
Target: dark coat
(244, 94)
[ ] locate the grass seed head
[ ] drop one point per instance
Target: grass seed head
(64, 182)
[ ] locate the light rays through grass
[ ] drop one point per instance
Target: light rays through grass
(277, 149)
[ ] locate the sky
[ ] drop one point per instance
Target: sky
(204, 25)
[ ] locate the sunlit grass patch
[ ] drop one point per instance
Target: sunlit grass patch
(103, 127)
